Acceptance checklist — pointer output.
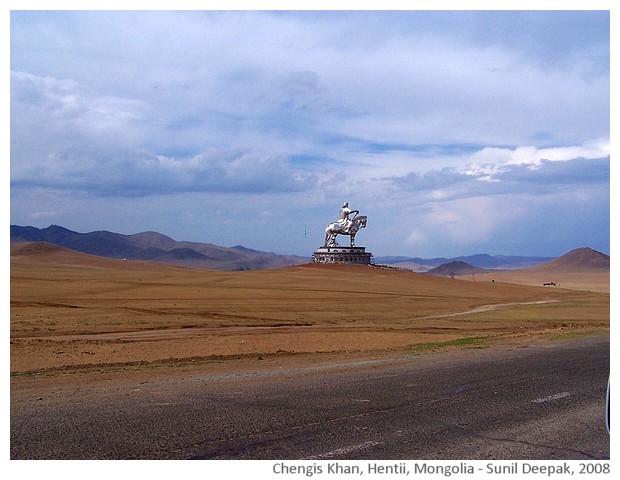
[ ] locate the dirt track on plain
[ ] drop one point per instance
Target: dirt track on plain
(68, 313)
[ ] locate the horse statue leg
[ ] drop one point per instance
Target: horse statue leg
(330, 237)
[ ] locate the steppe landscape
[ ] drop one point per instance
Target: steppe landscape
(83, 314)
(113, 358)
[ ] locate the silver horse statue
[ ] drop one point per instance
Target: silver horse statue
(350, 227)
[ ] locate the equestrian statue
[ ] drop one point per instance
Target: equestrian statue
(344, 226)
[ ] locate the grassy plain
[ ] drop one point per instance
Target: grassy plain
(74, 312)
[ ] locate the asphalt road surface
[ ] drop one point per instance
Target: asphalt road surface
(537, 402)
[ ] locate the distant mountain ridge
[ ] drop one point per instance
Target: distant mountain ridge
(155, 247)
(484, 261)
(580, 260)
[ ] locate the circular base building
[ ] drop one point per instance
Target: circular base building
(338, 254)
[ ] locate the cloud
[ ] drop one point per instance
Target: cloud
(510, 171)
(84, 141)
(463, 221)
(544, 223)
(578, 171)
(233, 172)
(532, 155)
(51, 116)
(412, 115)
(385, 77)
(548, 205)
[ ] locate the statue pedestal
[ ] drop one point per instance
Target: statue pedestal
(354, 255)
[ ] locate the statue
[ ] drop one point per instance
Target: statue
(348, 223)
(344, 226)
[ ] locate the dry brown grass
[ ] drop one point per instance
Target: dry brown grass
(72, 310)
(595, 281)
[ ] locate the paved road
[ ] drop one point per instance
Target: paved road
(539, 402)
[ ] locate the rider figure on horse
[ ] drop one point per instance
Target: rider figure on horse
(344, 221)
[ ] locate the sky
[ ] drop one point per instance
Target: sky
(455, 132)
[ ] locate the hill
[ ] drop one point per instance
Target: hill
(456, 268)
(579, 269)
(155, 247)
(583, 259)
(48, 254)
